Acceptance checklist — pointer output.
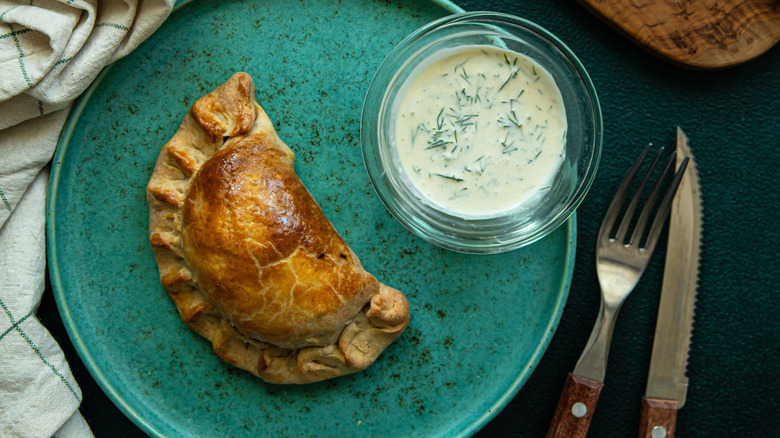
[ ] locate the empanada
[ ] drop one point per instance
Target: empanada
(248, 257)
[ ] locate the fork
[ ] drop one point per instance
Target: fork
(619, 265)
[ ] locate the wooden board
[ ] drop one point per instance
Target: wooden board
(700, 34)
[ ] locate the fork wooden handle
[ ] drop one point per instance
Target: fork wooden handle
(658, 418)
(575, 408)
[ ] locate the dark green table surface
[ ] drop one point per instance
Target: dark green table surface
(732, 118)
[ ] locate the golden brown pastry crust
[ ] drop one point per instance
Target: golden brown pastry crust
(248, 257)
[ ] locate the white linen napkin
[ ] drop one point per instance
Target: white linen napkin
(50, 52)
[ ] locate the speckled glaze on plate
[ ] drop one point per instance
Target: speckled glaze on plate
(479, 326)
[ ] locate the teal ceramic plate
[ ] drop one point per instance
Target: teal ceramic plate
(479, 326)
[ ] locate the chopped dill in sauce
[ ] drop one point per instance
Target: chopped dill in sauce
(480, 130)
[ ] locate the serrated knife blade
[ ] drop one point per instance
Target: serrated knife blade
(667, 382)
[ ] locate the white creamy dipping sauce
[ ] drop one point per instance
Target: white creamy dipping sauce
(479, 130)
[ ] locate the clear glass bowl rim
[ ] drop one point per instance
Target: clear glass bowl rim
(448, 240)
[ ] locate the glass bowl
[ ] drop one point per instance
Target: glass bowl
(514, 227)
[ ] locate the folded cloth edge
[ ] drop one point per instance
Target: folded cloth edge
(38, 395)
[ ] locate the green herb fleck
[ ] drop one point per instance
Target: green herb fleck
(511, 76)
(450, 177)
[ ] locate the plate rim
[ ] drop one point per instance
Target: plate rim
(58, 289)
(52, 264)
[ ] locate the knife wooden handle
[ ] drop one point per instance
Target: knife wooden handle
(658, 418)
(575, 408)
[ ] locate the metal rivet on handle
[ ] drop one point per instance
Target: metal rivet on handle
(579, 410)
(658, 432)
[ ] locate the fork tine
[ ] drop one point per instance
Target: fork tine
(620, 196)
(639, 230)
(663, 209)
(626, 222)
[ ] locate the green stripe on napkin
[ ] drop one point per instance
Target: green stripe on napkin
(15, 325)
(5, 201)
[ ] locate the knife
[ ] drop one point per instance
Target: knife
(667, 383)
